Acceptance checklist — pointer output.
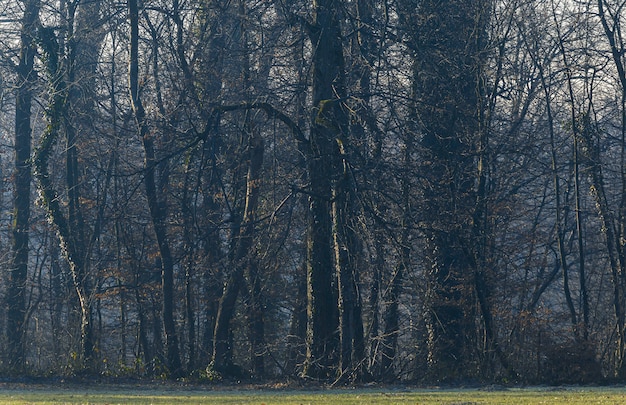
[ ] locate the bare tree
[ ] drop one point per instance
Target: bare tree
(16, 300)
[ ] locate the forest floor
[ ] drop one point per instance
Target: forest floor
(62, 392)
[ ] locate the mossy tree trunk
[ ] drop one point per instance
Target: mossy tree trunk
(334, 326)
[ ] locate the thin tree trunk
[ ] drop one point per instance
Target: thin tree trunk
(16, 300)
(581, 246)
(189, 249)
(393, 291)
(373, 334)
(212, 283)
(588, 134)
(614, 234)
(581, 250)
(243, 258)
(298, 324)
(156, 207)
(562, 256)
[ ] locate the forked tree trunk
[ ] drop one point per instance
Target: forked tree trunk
(243, 262)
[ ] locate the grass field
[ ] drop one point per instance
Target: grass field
(145, 395)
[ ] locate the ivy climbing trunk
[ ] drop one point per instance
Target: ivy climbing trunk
(56, 115)
(448, 44)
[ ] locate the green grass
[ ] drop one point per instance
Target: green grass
(586, 396)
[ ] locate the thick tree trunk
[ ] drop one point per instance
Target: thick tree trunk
(76, 102)
(448, 41)
(335, 341)
(323, 344)
(322, 314)
(65, 116)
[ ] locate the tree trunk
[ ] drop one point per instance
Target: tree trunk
(589, 137)
(347, 253)
(212, 282)
(298, 325)
(614, 232)
(447, 41)
(56, 115)
(16, 317)
(327, 130)
(243, 263)
(156, 207)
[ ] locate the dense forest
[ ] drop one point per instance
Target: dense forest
(336, 190)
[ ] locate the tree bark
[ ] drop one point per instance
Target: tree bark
(323, 164)
(346, 257)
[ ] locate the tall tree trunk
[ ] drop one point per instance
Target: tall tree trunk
(614, 232)
(157, 208)
(346, 257)
(255, 307)
(393, 291)
(16, 317)
(56, 115)
(297, 324)
(374, 328)
(65, 115)
(612, 225)
(189, 259)
(573, 118)
(77, 102)
(211, 249)
(582, 274)
(329, 122)
(589, 135)
(448, 39)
